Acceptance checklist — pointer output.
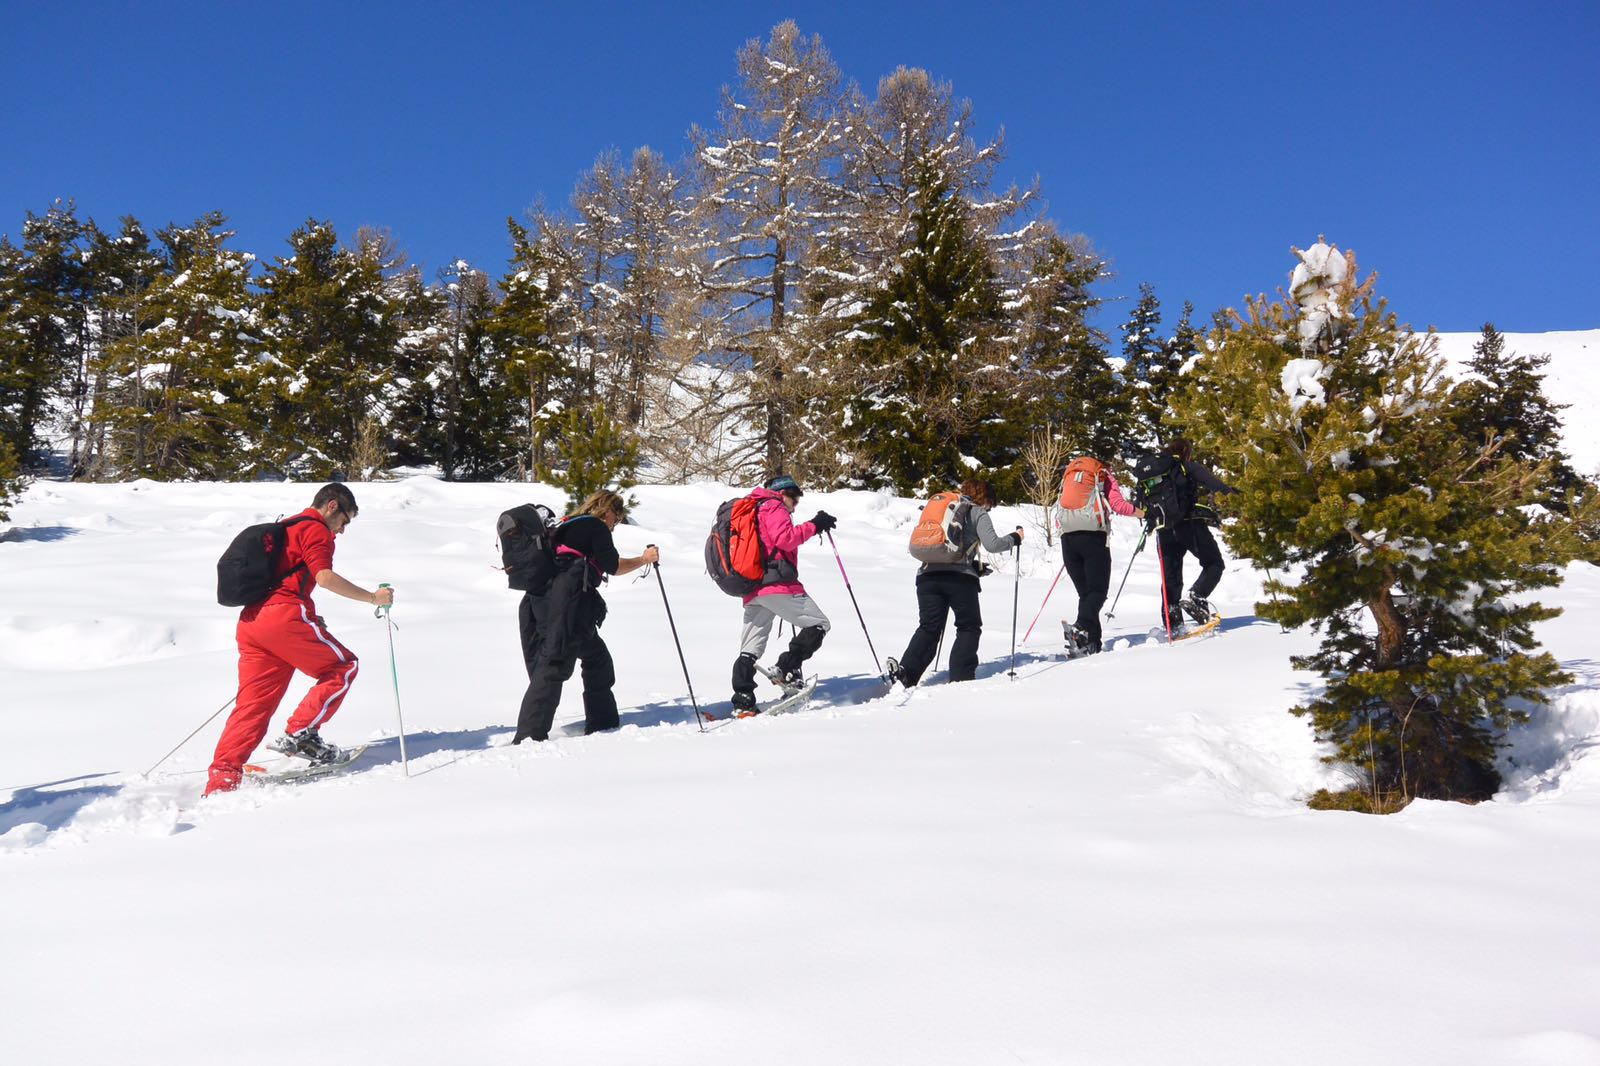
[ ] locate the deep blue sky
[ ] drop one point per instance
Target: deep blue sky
(1454, 146)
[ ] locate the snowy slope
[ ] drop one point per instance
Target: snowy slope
(1104, 861)
(1571, 377)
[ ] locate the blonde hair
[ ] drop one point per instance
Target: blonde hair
(602, 503)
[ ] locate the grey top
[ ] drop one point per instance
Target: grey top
(977, 529)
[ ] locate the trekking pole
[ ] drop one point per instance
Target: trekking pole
(1035, 621)
(1166, 608)
(1016, 584)
(1137, 548)
(857, 606)
(394, 673)
(681, 661)
(191, 736)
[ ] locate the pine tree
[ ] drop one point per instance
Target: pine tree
(1143, 365)
(481, 405)
(1507, 400)
(177, 390)
(41, 325)
(123, 270)
(17, 408)
(1405, 540)
(600, 452)
(930, 411)
(1164, 374)
(334, 333)
(12, 481)
(910, 155)
(520, 327)
(1064, 377)
(763, 188)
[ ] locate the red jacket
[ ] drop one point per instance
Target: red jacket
(309, 542)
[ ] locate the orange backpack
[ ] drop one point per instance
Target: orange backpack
(1082, 506)
(938, 535)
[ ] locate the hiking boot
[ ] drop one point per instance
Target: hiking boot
(1078, 642)
(787, 678)
(308, 745)
(1197, 609)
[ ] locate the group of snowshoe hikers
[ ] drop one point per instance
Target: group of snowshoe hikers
(753, 552)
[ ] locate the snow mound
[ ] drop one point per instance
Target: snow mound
(28, 643)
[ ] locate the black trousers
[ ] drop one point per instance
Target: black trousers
(1087, 558)
(528, 625)
(1193, 537)
(546, 675)
(940, 592)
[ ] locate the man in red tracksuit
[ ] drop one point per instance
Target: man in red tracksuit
(282, 634)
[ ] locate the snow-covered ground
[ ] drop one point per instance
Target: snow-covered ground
(1102, 861)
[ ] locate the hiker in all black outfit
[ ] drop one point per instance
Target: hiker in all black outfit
(1190, 533)
(562, 626)
(944, 588)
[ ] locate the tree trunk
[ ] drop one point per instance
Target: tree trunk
(1391, 626)
(777, 450)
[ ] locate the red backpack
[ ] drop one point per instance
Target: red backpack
(1082, 505)
(735, 558)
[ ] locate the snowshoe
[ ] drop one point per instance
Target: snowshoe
(309, 745)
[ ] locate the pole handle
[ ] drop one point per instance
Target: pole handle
(382, 612)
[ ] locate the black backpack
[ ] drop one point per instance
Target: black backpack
(528, 546)
(1161, 487)
(247, 573)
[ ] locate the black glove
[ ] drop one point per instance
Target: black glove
(824, 521)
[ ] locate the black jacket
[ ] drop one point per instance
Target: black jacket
(573, 606)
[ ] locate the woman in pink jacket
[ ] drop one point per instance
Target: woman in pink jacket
(780, 595)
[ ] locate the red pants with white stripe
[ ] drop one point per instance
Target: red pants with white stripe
(275, 640)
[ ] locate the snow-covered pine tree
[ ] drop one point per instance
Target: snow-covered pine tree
(763, 186)
(1399, 539)
(18, 408)
(482, 404)
(122, 269)
(1163, 372)
(1507, 399)
(178, 384)
(649, 206)
(1063, 375)
(520, 328)
(41, 325)
(932, 385)
(911, 169)
(333, 333)
(1143, 365)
